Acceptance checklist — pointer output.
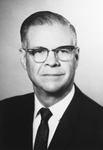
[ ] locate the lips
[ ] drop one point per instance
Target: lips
(52, 74)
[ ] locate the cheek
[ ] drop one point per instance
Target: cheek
(31, 68)
(70, 69)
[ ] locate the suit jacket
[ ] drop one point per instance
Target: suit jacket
(80, 128)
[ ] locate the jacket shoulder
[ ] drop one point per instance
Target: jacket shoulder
(86, 99)
(15, 102)
(91, 111)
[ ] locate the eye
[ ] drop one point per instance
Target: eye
(40, 51)
(63, 51)
(37, 51)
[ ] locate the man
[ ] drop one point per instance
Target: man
(50, 55)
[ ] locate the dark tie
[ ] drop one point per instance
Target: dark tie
(43, 130)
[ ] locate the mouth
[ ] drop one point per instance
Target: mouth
(52, 75)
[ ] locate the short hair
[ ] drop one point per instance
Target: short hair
(42, 18)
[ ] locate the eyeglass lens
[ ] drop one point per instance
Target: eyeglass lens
(63, 54)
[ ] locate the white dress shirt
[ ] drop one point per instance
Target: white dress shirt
(57, 110)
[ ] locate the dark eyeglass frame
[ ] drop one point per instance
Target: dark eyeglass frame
(34, 50)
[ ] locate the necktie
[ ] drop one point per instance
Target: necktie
(43, 130)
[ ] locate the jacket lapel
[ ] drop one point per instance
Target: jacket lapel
(17, 117)
(68, 124)
(27, 121)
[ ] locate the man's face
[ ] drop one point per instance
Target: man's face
(53, 74)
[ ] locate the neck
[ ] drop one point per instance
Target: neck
(50, 98)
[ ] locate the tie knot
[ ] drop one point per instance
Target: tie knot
(45, 114)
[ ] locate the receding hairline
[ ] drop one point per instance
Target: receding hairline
(43, 18)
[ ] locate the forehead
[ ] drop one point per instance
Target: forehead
(49, 35)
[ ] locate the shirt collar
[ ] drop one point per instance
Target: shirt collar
(59, 108)
(38, 106)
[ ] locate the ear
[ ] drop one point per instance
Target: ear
(77, 57)
(22, 53)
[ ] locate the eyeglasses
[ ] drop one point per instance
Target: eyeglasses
(63, 53)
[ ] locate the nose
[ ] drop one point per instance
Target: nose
(52, 60)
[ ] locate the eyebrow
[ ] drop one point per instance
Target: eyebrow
(41, 47)
(38, 47)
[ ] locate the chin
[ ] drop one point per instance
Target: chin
(53, 86)
(52, 89)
